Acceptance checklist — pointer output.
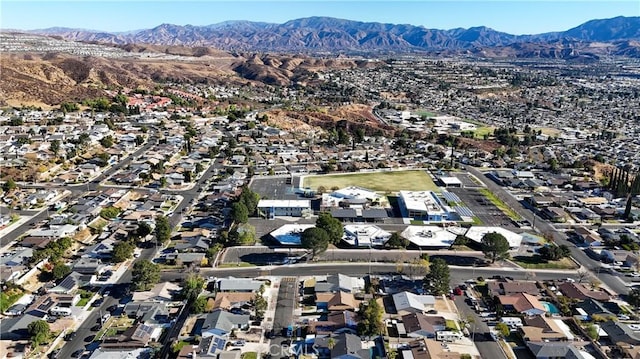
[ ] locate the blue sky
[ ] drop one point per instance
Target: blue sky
(515, 16)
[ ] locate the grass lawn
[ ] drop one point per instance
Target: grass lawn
(235, 265)
(450, 324)
(501, 205)
(250, 355)
(8, 297)
(390, 181)
(82, 302)
(536, 262)
(481, 131)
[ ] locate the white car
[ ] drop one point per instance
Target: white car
(623, 317)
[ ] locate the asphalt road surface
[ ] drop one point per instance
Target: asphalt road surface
(479, 330)
(283, 317)
(458, 274)
(613, 281)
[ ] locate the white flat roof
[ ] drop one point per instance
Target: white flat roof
(423, 201)
(476, 233)
(284, 203)
(429, 236)
(450, 180)
(356, 192)
(366, 234)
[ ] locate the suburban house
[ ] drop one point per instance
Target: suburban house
(336, 322)
(340, 282)
(522, 303)
(543, 329)
(341, 346)
(219, 322)
(161, 292)
(579, 291)
(553, 350)
(229, 300)
(238, 285)
(339, 301)
(506, 287)
(418, 325)
(407, 302)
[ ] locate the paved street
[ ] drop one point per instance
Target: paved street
(479, 330)
(458, 274)
(284, 317)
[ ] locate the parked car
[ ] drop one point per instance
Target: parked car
(69, 337)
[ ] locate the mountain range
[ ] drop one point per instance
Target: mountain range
(326, 34)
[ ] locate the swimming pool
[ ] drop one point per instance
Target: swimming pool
(550, 307)
(289, 239)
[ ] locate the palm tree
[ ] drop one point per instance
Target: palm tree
(331, 343)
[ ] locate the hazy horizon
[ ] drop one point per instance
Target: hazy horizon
(514, 17)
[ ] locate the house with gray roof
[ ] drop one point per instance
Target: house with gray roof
(148, 312)
(16, 328)
(340, 282)
(620, 332)
(17, 258)
(71, 283)
(552, 350)
(220, 322)
(407, 302)
(345, 346)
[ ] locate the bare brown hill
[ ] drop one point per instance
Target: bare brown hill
(352, 116)
(53, 78)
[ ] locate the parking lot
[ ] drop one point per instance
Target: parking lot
(482, 208)
(274, 187)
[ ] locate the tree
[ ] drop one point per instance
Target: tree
(122, 251)
(436, 281)
(109, 212)
(397, 241)
(39, 331)
(145, 275)
(246, 235)
(250, 200)
(9, 185)
(633, 297)
(212, 252)
(592, 331)
(495, 246)
(554, 253)
(192, 286)
(143, 230)
(199, 305)
(60, 270)
(260, 305)
(370, 318)
(106, 141)
(316, 239)
(239, 212)
(331, 225)
(54, 146)
(503, 329)
(163, 229)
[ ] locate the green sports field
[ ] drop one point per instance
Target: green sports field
(390, 181)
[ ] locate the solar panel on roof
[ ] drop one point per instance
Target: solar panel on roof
(463, 211)
(450, 196)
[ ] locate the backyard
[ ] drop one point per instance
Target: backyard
(389, 181)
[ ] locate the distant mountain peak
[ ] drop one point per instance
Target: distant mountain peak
(322, 34)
